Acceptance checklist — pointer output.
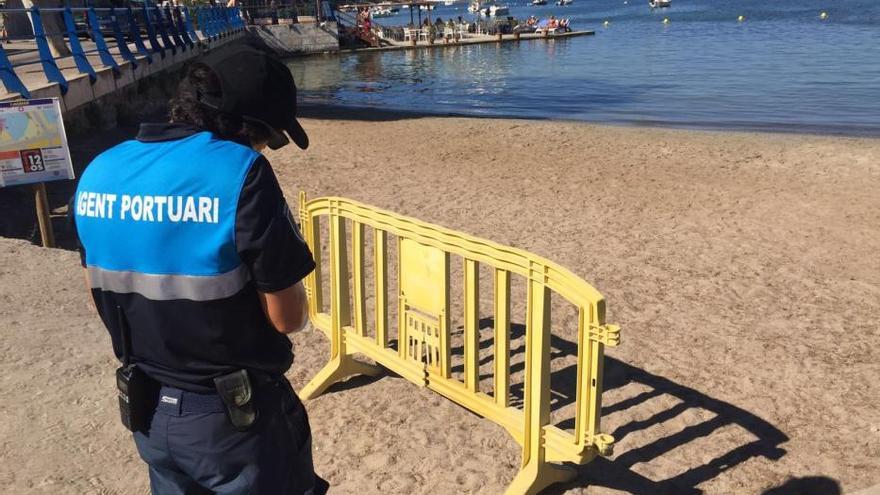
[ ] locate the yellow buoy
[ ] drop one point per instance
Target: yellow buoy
(823, 16)
(741, 18)
(665, 20)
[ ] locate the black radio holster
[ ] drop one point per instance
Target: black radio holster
(137, 397)
(138, 393)
(237, 393)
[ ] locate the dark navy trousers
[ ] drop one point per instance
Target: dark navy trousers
(192, 447)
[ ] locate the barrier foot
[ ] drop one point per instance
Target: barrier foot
(334, 371)
(535, 476)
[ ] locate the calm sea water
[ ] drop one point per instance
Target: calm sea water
(782, 69)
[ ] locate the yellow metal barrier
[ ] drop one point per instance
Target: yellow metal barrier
(423, 351)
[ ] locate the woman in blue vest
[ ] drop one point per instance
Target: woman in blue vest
(195, 266)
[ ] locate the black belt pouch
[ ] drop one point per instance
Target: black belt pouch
(238, 396)
(138, 395)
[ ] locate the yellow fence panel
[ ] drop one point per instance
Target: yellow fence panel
(423, 352)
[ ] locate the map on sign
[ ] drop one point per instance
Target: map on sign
(33, 146)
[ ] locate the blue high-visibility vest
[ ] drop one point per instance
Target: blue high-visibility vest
(158, 218)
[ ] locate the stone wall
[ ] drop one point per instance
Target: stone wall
(297, 39)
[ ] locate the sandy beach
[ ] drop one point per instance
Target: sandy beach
(742, 268)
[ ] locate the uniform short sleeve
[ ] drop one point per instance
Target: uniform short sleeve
(266, 237)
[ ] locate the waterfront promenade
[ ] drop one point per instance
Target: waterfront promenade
(100, 65)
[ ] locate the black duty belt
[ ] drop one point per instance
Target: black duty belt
(176, 401)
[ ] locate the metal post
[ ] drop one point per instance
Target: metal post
(124, 52)
(172, 28)
(101, 45)
(50, 68)
(166, 41)
(79, 55)
(181, 28)
(151, 32)
(10, 79)
(135, 34)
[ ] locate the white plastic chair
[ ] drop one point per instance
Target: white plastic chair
(410, 34)
(463, 31)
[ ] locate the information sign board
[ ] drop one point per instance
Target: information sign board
(33, 145)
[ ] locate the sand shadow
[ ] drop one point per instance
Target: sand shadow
(359, 381)
(760, 438)
(618, 473)
(807, 485)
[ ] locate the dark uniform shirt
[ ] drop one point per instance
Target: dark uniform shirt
(180, 230)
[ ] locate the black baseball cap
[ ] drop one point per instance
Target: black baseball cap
(259, 88)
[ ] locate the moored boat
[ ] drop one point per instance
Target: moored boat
(657, 4)
(381, 12)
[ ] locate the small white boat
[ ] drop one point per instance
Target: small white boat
(565, 2)
(381, 12)
(426, 7)
(497, 10)
(657, 4)
(474, 8)
(448, 2)
(539, 2)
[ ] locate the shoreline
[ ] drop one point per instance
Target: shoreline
(339, 111)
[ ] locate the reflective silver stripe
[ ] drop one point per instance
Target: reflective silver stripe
(168, 287)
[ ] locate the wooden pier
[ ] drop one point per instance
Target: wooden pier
(470, 40)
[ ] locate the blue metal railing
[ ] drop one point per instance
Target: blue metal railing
(147, 31)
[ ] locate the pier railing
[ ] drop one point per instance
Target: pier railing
(410, 263)
(104, 36)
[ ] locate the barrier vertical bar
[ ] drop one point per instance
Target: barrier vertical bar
(79, 55)
(340, 311)
(101, 44)
(311, 230)
(357, 263)
(341, 363)
(160, 23)
(135, 33)
(597, 365)
(50, 68)
(536, 473)
(315, 243)
(124, 52)
(402, 342)
(10, 79)
(151, 32)
(380, 268)
(502, 337)
(471, 324)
